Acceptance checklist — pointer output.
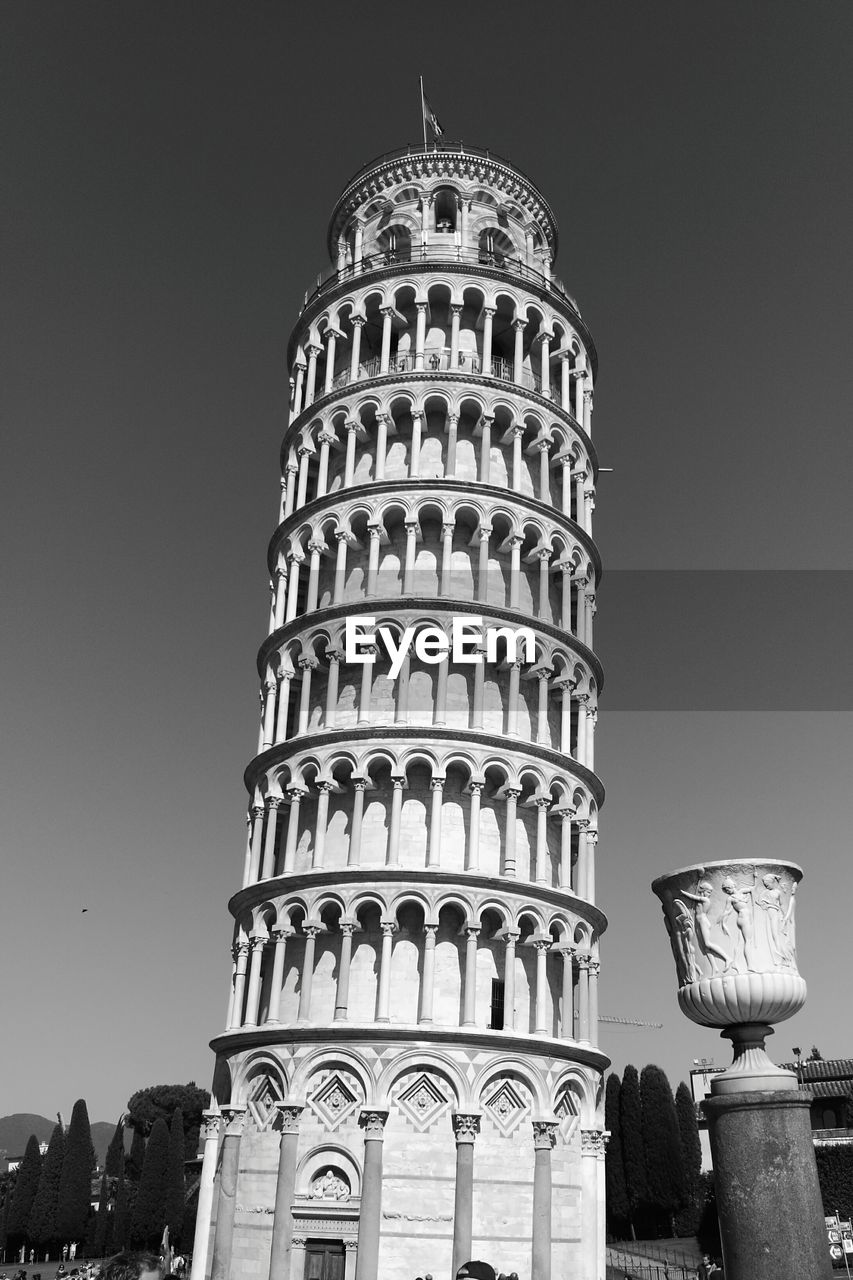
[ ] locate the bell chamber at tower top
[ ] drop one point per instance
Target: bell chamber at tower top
(442, 263)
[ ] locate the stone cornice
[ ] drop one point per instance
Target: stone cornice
(424, 166)
(554, 296)
(382, 487)
(388, 733)
(506, 1042)
(430, 604)
(528, 891)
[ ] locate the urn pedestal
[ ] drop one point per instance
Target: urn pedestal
(731, 927)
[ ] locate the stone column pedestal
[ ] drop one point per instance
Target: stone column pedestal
(771, 1215)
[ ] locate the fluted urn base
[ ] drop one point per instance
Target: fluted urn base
(735, 999)
(751, 1069)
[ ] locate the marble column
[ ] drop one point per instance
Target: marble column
(544, 1138)
(239, 985)
(295, 795)
(383, 1001)
(452, 429)
(567, 1006)
(593, 1149)
(259, 942)
(310, 931)
(428, 978)
(268, 871)
(325, 790)
(436, 787)
(204, 1213)
(469, 1010)
(348, 926)
(355, 352)
(257, 833)
(540, 1021)
(510, 795)
(229, 1166)
(285, 1187)
(465, 1128)
(369, 1217)
(472, 860)
(488, 315)
(279, 936)
(392, 855)
(510, 937)
(583, 997)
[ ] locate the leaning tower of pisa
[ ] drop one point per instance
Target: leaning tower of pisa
(409, 1076)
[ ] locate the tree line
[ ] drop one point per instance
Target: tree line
(655, 1186)
(48, 1200)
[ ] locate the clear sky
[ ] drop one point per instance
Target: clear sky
(170, 170)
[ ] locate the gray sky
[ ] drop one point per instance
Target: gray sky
(170, 171)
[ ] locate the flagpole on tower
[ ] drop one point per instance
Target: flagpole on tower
(423, 111)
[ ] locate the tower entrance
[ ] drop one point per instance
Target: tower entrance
(324, 1260)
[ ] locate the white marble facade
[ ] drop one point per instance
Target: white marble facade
(408, 1075)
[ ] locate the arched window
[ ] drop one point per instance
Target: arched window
(495, 247)
(445, 206)
(395, 242)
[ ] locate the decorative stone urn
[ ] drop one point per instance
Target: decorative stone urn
(731, 927)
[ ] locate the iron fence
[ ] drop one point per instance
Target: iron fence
(438, 252)
(438, 360)
(647, 1261)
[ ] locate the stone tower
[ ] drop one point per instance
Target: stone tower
(409, 1076)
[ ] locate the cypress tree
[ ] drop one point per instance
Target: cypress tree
(148, 1218)
(75, 1185)
(121, 1218)
(42, 1227)
(175, 1185)
(4, 1216)
(691, 1160)
(114, 1163)
(26, 1186)
(618, 1209)
(633, 1156)
(137, 1156)
(101, 1242)
(662, 1143)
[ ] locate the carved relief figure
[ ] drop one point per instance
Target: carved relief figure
(702, 920)
(788, 925)
(681, 941)
(686, 930)
(741, 901)
(329, 1187)
(771, 901)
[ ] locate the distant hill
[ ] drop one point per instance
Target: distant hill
(15, 1131)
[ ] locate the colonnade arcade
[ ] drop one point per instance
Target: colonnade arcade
(433, 325)
(424, 809)
(435, 434)
(541, 692)
(489, 551)
(451, 960)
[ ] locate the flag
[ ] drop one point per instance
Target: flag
(431, 119)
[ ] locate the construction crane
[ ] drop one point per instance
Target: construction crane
(631, 1022)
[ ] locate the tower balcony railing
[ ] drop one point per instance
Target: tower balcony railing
(438, 360)
(438, 252)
